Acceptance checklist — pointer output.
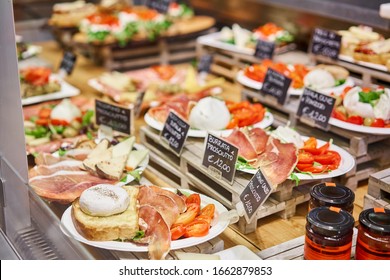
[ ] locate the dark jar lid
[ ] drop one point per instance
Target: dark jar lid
(330, 221)
(376, 220)
(331, 194)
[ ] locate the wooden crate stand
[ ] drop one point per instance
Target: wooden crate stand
(379, 185)
(165, 50)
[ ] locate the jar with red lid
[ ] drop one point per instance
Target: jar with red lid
(373, 241)
(329, 233)
(331, 194)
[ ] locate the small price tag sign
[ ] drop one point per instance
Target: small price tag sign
(160, 6)
(175, 132)
(326, 43)
(138, 104)
(276, 85)
(255, 194)
(204, 63)
(220, 158)
(264, 49)
(68, 62)
(116, 117)
(316, 107)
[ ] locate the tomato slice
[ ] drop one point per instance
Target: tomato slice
(197, 229)
(208, 210)
(355, 120)
(44, 113)
(305, 158)
(311, 143)
(188, 216)
(303, 166)
(204, 218)
(193, 198)
(324, 159)
(177, 231)
(59, 122)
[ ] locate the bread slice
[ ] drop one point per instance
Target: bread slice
(123, 226)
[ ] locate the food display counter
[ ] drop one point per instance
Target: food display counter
(194, 130)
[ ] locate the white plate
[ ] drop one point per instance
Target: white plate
(213, 40)
(246, 81)
(346, 164)
(239, 252)
(221, 221)
(67, 90)
(267, 121)
(359, 128)
(363, 63)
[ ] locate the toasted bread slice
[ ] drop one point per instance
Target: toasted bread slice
(121, 226)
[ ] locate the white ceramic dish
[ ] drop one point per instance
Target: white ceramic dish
(359, 128)
(220, 222)
(346, 164)
(31, 51)
(67, 90)
(239, 252)
(267, 121)
(363, 63)
(244, 80)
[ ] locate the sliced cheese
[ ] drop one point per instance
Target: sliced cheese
(135, 158)
(123, 148)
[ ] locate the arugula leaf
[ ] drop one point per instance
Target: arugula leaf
(35, 154)
(89, 135)
(136, 173)
(339, 82)
(294, 177)
(86, 120)
(97, 36)
(61, 152)
(139, 234)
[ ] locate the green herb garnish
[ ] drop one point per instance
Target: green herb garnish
(294, 177)
(86, 120)
(138, 235)
(370, 97)
(339, 82)
(136, 173)
(61, 152)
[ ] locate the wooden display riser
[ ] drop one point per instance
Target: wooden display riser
(210, 247)
(378, 190)
(187, 172)
(135, 55)
(371, 152)
(293, 249)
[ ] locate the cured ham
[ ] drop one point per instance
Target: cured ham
(246, 148)
(44, 170)
(64, 186)
(258, 138)
(178, 199)
(165, 205)
(157, 232)
(278, 161)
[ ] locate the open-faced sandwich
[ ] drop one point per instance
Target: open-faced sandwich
(37, 81)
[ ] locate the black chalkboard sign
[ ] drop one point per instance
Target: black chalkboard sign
(118, 118)
(204, 63)
(175, 132)
(138, 104)
(255, 194)
(264, 49)
(326, 43)
(161, 6)
(316, 107)
(276, 85)
(68, 62)
(220, 157)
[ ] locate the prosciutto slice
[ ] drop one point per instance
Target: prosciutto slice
(44, 170)
(157, 232)
(64, 186)
(246, 148)
(258, 138)
(165, 205)
(278, 161)
(178, 199)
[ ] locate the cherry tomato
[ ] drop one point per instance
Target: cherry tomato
(59, 122)
(177, 231)
(42, 122)
(355, 120)
(197, 229)
(44, 113)
(378, 123)
(188, 216)
(208, 210)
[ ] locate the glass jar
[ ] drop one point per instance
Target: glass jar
(331, 194)
(329, 233)
(373, 241)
